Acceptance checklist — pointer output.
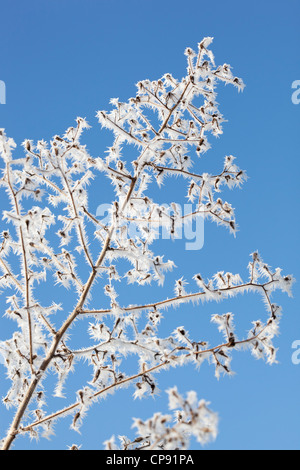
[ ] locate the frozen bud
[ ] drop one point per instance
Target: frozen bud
(189, 52)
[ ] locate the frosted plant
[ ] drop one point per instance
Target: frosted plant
(165, 124)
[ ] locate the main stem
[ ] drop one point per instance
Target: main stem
(13, 431)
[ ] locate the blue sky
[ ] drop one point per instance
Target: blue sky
(66, 58)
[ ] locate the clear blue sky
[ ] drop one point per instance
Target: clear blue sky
(66, 58)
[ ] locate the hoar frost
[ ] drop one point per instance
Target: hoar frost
(51, 231)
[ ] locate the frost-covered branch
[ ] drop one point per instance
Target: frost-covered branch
(166, 432)
(181, 350)
(163, 124)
